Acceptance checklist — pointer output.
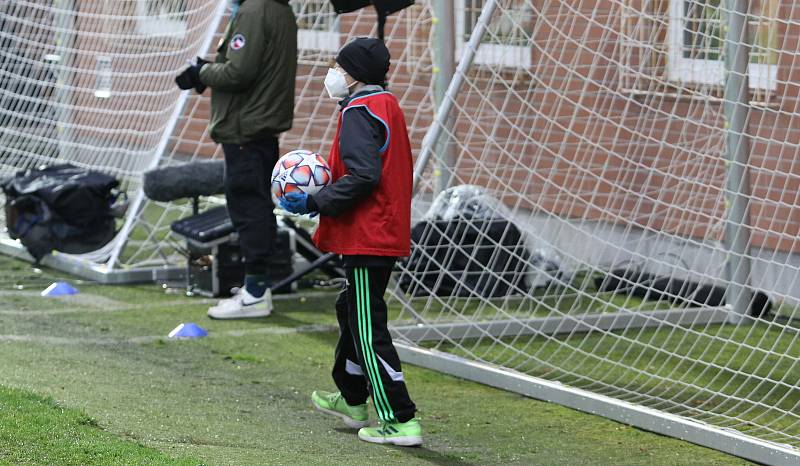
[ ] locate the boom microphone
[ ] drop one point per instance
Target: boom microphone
(186, 180)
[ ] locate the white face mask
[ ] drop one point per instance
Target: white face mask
(336, 84)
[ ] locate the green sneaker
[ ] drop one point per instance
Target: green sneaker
(355, 417)
(405, 434)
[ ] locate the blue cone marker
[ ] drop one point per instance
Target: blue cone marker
(59, 289)
(188, 330)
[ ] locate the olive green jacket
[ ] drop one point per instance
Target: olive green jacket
(252, 80)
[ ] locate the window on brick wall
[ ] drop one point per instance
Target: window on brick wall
(317, 25)
(162, 18)
(507, 39)
(696, 40)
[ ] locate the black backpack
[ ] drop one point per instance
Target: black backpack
(60, 207)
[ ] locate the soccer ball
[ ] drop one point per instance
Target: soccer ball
(300, 170)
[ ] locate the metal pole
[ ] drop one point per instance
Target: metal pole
(443, 114)
(133, 212)
(737, 153)
(61, 64)
(444, 65)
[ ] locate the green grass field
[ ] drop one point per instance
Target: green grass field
(93, 380)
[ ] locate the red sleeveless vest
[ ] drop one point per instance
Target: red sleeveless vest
(380, 224)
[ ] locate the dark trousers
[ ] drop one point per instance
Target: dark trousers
(366, 361)
(248, 169)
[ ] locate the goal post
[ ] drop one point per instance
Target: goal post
(737, 154)
(217, 14)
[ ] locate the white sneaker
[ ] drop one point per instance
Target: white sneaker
(242, 305)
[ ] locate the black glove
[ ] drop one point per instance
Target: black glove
(190, 78)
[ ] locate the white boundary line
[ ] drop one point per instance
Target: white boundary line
(90, 310)
(102, 304)
(67, 341)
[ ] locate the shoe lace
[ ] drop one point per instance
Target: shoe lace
(236, 299)
(336, 398)
(383, 424)
(382, 427)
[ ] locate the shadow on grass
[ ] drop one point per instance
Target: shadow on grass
(422, 453)
(431, 456)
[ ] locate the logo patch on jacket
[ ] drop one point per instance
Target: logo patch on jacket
(237, 42)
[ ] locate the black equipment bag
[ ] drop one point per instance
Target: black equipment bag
(385, 7)
(484, 257)
(60, 207)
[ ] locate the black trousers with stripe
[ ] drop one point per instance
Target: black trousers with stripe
(366, 360)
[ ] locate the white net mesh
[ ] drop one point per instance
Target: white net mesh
(590, 233)
(91, 83)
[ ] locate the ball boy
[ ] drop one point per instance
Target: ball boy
(365, 216)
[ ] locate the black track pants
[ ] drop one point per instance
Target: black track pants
(248, 169)
(366, 361)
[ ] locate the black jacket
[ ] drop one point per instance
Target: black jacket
(360, 140)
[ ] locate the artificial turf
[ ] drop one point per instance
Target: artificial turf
(241, 396)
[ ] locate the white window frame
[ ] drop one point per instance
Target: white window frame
(701, 71)
(510, 56)
(324, 41)
(159, 26)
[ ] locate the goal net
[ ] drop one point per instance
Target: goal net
(610, 205)
(92, 83)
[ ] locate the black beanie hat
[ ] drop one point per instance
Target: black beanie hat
(366, 60)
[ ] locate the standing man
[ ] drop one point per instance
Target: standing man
(252, 85)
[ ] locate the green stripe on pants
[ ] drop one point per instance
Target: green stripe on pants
(366, 350)
(379, 390)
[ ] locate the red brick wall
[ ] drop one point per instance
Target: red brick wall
(584, 146)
